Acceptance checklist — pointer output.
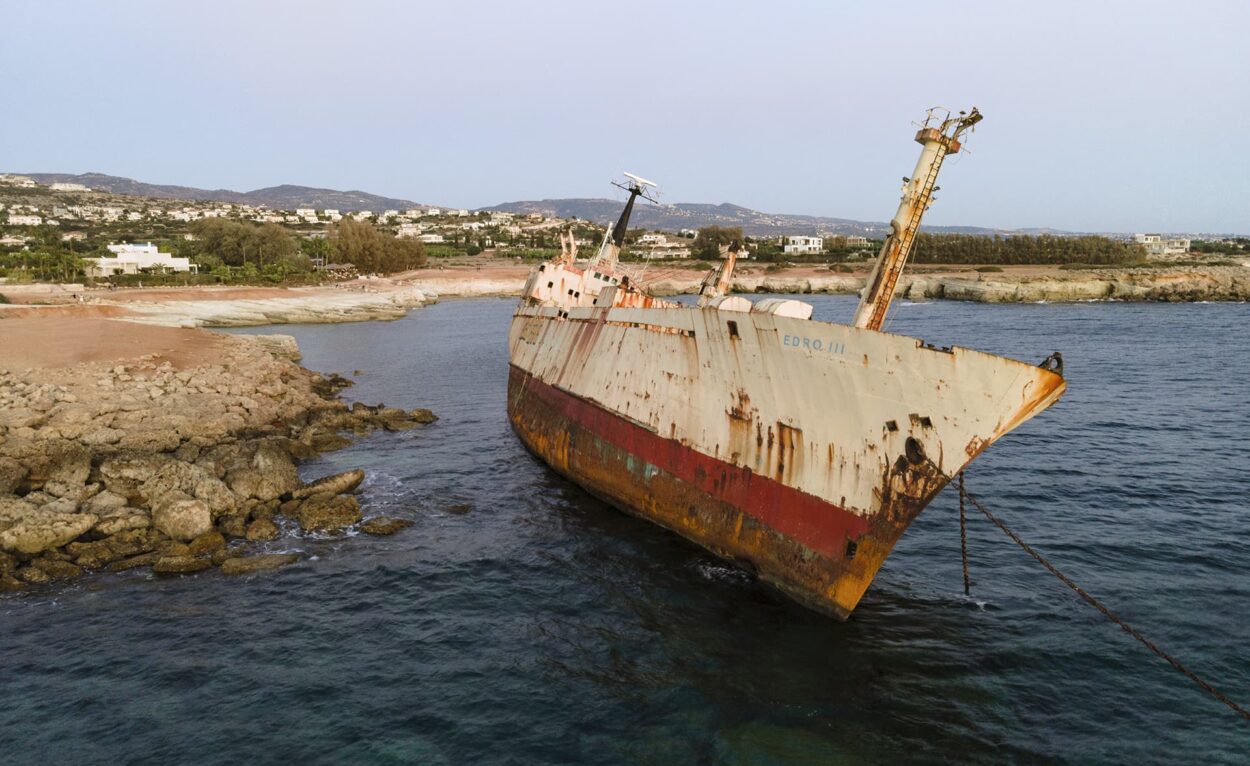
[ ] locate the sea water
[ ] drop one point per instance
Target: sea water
(520, 621)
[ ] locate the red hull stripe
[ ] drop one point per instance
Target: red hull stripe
(816, 524)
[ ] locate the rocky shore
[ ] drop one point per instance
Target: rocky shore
(352, 302)
(1011, 284)
(1208, 283)
(180, 459)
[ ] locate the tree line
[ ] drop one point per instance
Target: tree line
(219, 241)
(1021, 249)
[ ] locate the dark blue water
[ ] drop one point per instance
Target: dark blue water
(543, 627)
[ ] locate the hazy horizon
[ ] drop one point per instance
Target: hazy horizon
(1114, 117)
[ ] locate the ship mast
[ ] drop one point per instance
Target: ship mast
(938, 141)
(718, 280)
(611, 248)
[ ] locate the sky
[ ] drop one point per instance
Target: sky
(1099, 115)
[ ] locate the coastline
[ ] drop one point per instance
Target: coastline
(124, 446)
(392, 298)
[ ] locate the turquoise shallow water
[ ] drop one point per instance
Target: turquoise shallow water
(541, 626)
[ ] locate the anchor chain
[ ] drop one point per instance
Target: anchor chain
(963, 534)
(1202, 683)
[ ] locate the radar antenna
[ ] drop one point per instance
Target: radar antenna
(615, 237)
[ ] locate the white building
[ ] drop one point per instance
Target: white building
(410, 230)
(24, 220)
(856, 241)
(68, 187)
(137, 259)
(431, 239)
(652, 240)
(802, 245)
(15, 180)
(1155, 244)
(666, 253)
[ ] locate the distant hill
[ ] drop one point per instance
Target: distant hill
(682, 215)
(285, 197)
(688, 215)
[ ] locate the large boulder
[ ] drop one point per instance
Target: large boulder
(336, 484)
(98, 553)
(126, 474)
(173, 476)
(12, 474)
(216, 495)
(41, 530)
(262, 529)
(13, 508)
(104, 503)
(323, 513)
(270, 474)
(181, 517)
(122, 519)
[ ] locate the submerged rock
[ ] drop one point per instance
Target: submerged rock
(248, 564)
(207, 543)
(328, 513)
(181, 565)
(423, 416)
(57, 570)
(384, 525)
(262, 529)
(142, 560)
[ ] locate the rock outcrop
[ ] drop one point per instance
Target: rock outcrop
(174, 466)
(351, 302)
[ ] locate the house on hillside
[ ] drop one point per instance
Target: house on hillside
(410, 229)
(1155, 244)
(137, 259)
(803, 245)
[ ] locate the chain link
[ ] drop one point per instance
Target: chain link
(1110, 615)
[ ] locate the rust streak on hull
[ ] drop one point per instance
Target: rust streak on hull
(816, 552)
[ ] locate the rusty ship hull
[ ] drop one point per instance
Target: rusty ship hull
(801, 450)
